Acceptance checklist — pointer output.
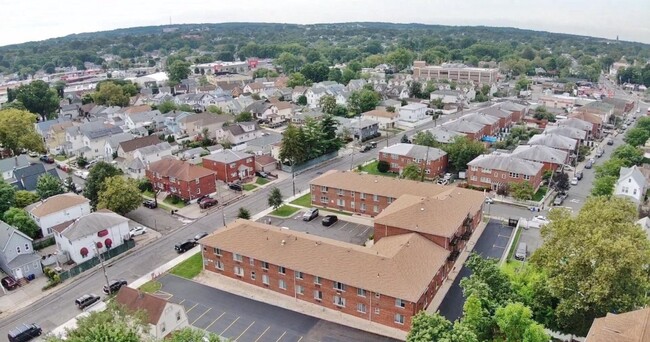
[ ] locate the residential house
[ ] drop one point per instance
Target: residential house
(596, 121)
(263, 110)
(443, 135)
(57, 209)
(491, 171)
(297, 93)
(314, 94)
(194, 153)
(172, 123)
(162, 317)
(70, 111)
(261, 145)
(87, 236)
(632, 326)
(8, 165)
(42, 127)
(284, 110)
(491, 124)
(25, 178)
(556, 141)
(181, 179)
(355, 85)
(361, 129)
(517, 110)
(231, 166)
(472, 130)
(386, 119)
(125, 148)
(569, 132)
(254, 88)
(631, 184)
(239, 133)
(621, 105)
(299, 118)
(265, 163)
(17, 255)
(413, 115)
(432, 160)
(89, 139)
(54, 138)
(552, 159)
(144, 156)
(194, 125)
(113, 143)
(148, 120)
(199, 101)
(456, 97)
(578, 124)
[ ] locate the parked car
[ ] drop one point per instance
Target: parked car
(81, 174)
(542, 220)
(9, 283)
(185, 246)
(574, 181)
(329, 220)
(442, 181)
(522, 251)
(365, 148)
(46, 159)
(207, 203)
(261, 174)
(25, 332)
(489, 200)
(559, 199)
(33, 154)
(200, 236)
(610, 142)
(579, 175)
(310, 214)
(589, 164)
(139, 230)
(235, 186)
(114, 286)
(599, 153)
(86, 300)
(151, 204)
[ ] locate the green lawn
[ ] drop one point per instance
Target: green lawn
(60, 157)
(303, 201)
(151, 286)
(540, 193)
(250, 187)
(285, 211)
(512, 267)
(168, 201)
(149, 194)
(189, 268)
(372, 169)
(261, 181)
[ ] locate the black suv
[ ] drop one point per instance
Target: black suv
(235, 186)
(114, 286)
(86, 300)
(25, 332)
(185, 246)
(150, 204)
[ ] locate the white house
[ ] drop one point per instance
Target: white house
(386, 119)
(58, 209)
(144, 156)
(163, 317)
(8, 165)
(631, 184)
(239, 133)
(89, 139)
(314, 94)
(82, 239)
(17, 256)
(413, 115)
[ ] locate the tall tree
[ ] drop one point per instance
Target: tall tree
(292, 149)
(561, 182)
(119, 194)
(328, 104)
(629, 154)
(7, 196)
(25, 198)
(461, 151)
(100, 172)
(363, 100)
(20, 219)
(244, 117)
(17, 131)
(425, 138)
(637, 136)
(428, 327)
(38, 98)
(177, 71)
(315, 72)
(514, 320)
(297, 79)
(190, 334)
(289, 62)
(110, 94)
(275, 198)
(400, 58)
(412, 171)
(522, 190)
(582, 257)
(603, 186)
(48, 186)
(330, 140)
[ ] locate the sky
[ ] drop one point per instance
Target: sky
(30, 20)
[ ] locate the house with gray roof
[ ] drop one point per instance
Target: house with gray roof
(25, 178)
(444, 135)
(553, 140)
(149, 119)
(551, 158)
(17, 255)
(89, 139)
(492, 171)
(42, 127)
(360, 128)
(491, 124)
(569, 132)
(239, 132)
(146, 155)
(472, 130)
(399, 156)
(81, 239)
(631, 184)
(264, 144)
(113, 143)
(8, 165)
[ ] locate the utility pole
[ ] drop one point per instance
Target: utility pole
(101, 261)
(426, 161)
(293, 176)
(223, 215)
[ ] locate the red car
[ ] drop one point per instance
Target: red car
(9, 283)
(207, 203)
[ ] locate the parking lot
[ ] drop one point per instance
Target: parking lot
(342, 230)
(242, 319)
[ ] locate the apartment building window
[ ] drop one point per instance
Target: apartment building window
(377, 295)
(361, 292)
(526, 177)
(394, 165)
(340, 192)
(251, 261)
(323, 189)
(324, 199)
(361, 307)
(362, 207)
(624, 189)
(377, 311)
(486, 180)
(399, 318)
(317, 280)
(217, 251)
(362, 196)
(265, 279)
(265, 265)
(400, 303)
(239, 271)
(473, 178)
(375, 208)
(172, 179)
(232, 166)
(197, 182)
(514, 175)
(219, 265)
(394, 156)
(375, 198)
(253, 276)
(339, 286)
(340, 202)
(318, 295)
(473, 168)
(282, 284)
(237, 257)
(486, 170)
(298, 275)
(390, 200)
(300, 290)
(339, 301)
(351, 204)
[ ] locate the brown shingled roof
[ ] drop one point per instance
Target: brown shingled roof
(179, 169)
(134, 300)
(137, 109)
(633, 326)
(134, 144)
(55, 204)
(380, 185)
(400, 266)
(380, 113)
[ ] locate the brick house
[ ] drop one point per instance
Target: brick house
(181, 178)
(491, 124)
(230, 166)
(381, 284)
(400, 155)
(551, 158)
(489, 171)
(556, 141)
(472, 130)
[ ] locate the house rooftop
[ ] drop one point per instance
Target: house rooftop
(15, 162)
(540, 153)
(506, 162)
(179, 169)
(228, 156)
(55, 204)
(134, 144)
(414, 151)
(383, 113)
(633, 326)
(90, 224)
(553, 140)
(135, 300)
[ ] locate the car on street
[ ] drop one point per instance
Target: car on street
(541, 220)
(81, 174)
(86, 300)
(589, 164)
(46, 159)
(579, 175)
(442, 181)
(207, 203)
(151, 204)
(200, 236)
(574, 181)
(135, 231)
(9, 283)
(365, 148)
(567, 167)
(24, 333)
(329, 220)
(522, 251)
(185, 246)
(235, 186)
(599, 153)
(489, 200)
(310, 214)
(610, 142)
(114, 286)
(33, 154)
(559, 199)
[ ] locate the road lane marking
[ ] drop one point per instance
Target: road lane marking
(215, 321)
(233, 322)
(267, 329)
(203, 314)
(281, 336)
(181, 302)
(300, 339)
(188, 311)
(245, 330)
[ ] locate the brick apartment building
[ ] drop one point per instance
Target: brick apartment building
(432, 160)
(454, 72)
(491, 124)
(552, 158)
(490, 171)
(181, 178)
(382, 283)
(230, 166)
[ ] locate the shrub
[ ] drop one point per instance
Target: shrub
(383, 166)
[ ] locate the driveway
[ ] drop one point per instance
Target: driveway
(342, 230)
(492, 244)
(243, 319)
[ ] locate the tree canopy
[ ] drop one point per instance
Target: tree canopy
(96, 177)
(48, 186)
(38, 98)
(461, 151)
(119, 194)
(20, 219)
(17, 131)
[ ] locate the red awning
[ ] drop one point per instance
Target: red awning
(108, 243)
(84, 251)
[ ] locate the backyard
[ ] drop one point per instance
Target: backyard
(372, 169)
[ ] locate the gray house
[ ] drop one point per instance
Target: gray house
(17, 256)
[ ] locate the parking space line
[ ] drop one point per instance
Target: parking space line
(233, 322)
(188, 311)
(365, 231)
(343, 226)
(203, 314)
(281, 336)
(245, 330)
(181, 302)
(215, 321)
(300, 339)
(267, 329)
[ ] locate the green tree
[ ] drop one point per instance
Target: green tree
(604, 186)
(244, 117)
(328, 104)
(275, 198)
(167, 106)
(20, 219)
(477, 318)
(110, 94)
(25, 198)
(177, 71)
(7, 196)
(243, 213)
(611, 167)
(315, 72)
(17, 131)
(637, 136)
(426, 327)
(581, 256)
(302, 100)
(119, 194)
(292, 150)
(629, 154)
(522, 83)
(289, 62)
(190, 334)
(400, 58)
(535, 333)
(38, 98)
(412, 171)
(522, 190)
(425, 138)
(215, 109)
(461, 151)
(363, 100)
(184, 107)
(348, 74)
(383, 166)
(561, 182)
(335, 75)
(48, 186)
(96, 177)
(643, 123)
(297, 79)
(514, 320)
(329, 140)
